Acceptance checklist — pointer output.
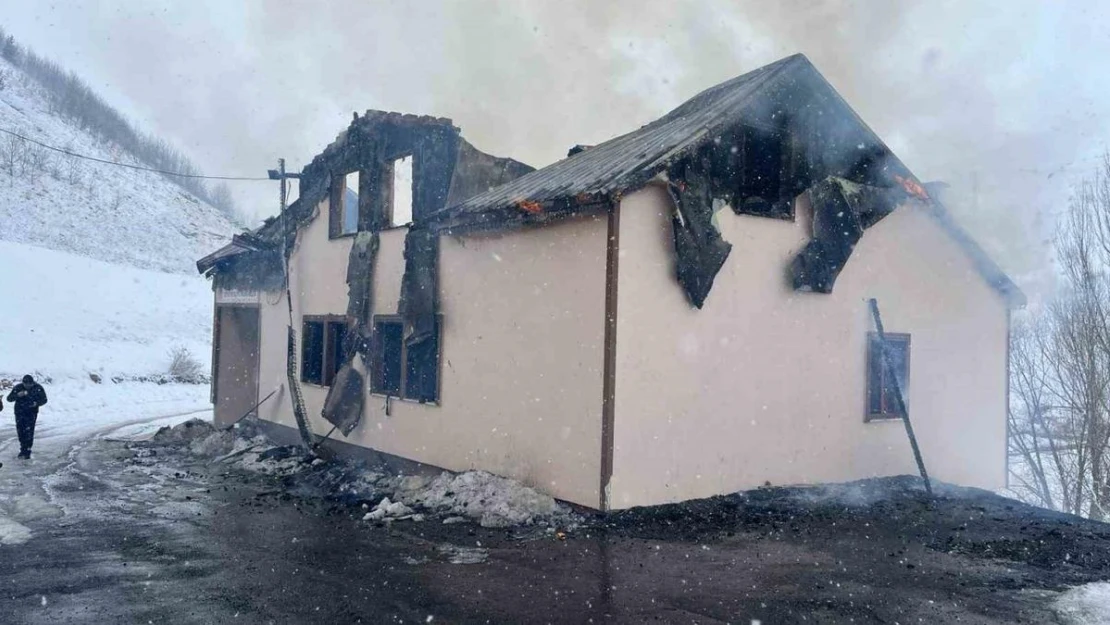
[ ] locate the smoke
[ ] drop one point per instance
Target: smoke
(1001, 102)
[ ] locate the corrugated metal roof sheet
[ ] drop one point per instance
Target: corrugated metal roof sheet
(629, 160)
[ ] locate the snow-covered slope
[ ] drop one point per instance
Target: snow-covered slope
(97, 210)
(65, 316)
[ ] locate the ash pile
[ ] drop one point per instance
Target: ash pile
(383, 496)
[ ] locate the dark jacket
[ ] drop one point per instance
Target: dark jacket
(27, 397)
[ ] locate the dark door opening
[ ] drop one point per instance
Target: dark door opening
(235, 374)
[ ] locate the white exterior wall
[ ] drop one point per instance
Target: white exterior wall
(521, 352)
(765, 384)
(318, 279)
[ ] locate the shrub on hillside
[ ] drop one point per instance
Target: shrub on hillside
(184, 366)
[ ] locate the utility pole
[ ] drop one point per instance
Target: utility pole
(295, 396)
(281, 175)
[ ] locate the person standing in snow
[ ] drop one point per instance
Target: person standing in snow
(27, 397)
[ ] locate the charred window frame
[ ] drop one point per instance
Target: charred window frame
(343, 204)
(322, 354)
(766, 161)
(881, 402)
(397, 370)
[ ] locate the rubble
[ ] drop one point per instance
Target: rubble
(388, 509)
(490, 500)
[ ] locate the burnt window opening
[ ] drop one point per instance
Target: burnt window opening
(398, 370)
(343, 209)
(322, 349)
(400, 208)
(763, 157)
(387, 357)
(881, 400)
(336, 356)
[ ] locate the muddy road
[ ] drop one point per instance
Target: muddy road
(178, 539)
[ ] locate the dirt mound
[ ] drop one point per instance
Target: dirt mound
(197, 436)
(895, 511)
(492, 500)
(183, 433)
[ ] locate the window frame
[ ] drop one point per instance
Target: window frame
(336, 198)
(377, 356)
(391, 178)
(885, 413)
(327, 350)
(376, 361)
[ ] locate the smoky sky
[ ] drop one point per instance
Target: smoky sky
(1004, 101)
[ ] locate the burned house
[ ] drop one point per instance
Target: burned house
(677, 312)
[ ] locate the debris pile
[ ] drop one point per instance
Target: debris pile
(199, 437)
(387, 510)
(490, 500)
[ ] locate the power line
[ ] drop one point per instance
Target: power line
(117, 164)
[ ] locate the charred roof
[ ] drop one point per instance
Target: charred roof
(786, 100)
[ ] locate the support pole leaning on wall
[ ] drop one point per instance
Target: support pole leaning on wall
(291, 373)
(251, 411)
(898, 398)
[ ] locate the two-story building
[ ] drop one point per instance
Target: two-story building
(677, 312)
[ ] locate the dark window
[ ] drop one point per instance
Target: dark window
(422, 370)
(402, 371)
(761, 188)
(388, 354)
(312, 353)
(337, 355)
(322, 353)
(881, 400)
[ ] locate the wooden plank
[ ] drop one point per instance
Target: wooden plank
(898, 399)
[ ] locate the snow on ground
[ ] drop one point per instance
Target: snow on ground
(78, 411)
(1085, 605)
(64, 316)
(93, 209)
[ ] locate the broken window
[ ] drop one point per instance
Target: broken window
(312, 353)
(881, 400)
(322, 349)
(761, 185)
(344, 206)
(422, 369)
(387, 357)
(399, 370)
(401, 209)
(336, 356)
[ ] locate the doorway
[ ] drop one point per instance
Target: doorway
(235, 360)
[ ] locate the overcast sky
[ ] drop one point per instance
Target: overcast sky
(1003, 100)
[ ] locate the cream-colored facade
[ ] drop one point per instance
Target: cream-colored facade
(520, 361)
(764, 384)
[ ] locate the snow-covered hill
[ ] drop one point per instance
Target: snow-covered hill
(97, 262)
(65, 316)
(96, 210)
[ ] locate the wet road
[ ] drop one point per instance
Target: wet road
(186, 542)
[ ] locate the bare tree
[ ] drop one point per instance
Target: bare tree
(1060, 369)
(222, 199)
(68, 96)
(37, 163)
(11, 151)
